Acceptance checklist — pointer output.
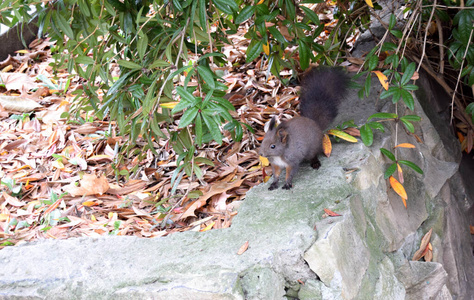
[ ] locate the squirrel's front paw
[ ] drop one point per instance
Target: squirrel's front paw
(273, 186)
(287, 186)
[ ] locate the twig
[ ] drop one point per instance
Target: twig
(459, 76)
(426, 36)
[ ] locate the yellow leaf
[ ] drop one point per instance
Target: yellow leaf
(267, 178)
(327, 146)
(169, 104)
(260, 2)
(93, 218)
(343, 135)
(4, 217)
(89, 203)
(208, 227)
(369, 3)
(266, 48)
(382, 78)
(399, 189)
(7, 68)
(24, 51)
(264, 161)
(405, 145)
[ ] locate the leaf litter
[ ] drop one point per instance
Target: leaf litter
(57, 178)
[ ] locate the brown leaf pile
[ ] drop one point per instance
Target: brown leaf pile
(58, 180)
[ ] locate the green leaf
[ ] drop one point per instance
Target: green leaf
(390, 92)
(408, 99)
(85, 60)
(388, 154)
(202, 14)
(368, 83)
(129, 65)
(63, 24)
(410, 87)
(304, 52)
(198, 129)
(376, 125)
(276, 34)
(373, 62)
(366, 135)
(390, 170)
(411, 165)
(408, 74)
(158, 64)
(142, 45)
(397, 33)
(383, 115)
(310, 14)
(254, 50)
(245, 14)
(213, 127)
(408, 125)
(188, 116)
(207, 76)
(224, 6)
(392, 22)
(413, 118)
(187, 96)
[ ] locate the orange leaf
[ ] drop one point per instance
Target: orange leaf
(53, 206)
(331, 213)
(243, 248)
(399, 189)
(382, 78)
(424, 246)
(471, 229)
(53, 138)
(405, 145)
(89, 203)
(327, 146)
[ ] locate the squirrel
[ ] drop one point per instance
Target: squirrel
(300, 138)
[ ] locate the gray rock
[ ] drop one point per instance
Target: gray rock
(293, 251)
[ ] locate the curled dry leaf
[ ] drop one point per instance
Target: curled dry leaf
(243, 248)
(330, 213)
(90, 184)
(424, 246)
(327, 146)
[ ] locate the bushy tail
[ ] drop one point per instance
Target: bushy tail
(322, 89)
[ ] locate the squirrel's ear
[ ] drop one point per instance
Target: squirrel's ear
(282, 134)
(270, 125)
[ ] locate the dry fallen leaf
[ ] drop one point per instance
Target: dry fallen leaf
(89, 185)
(330, 213)
(327, 146)
(243, 248)
(425, 241)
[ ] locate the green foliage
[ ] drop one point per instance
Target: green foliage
(15, 189)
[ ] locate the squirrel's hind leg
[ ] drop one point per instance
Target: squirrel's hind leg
(315, 163)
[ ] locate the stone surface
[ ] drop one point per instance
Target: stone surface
(363, 254)
(12, 41)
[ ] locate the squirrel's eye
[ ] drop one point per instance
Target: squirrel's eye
(272, 146)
